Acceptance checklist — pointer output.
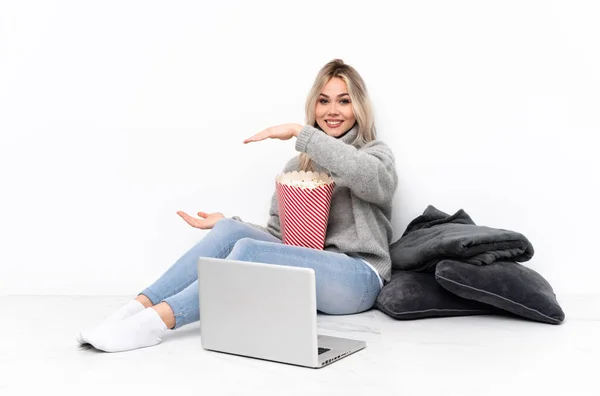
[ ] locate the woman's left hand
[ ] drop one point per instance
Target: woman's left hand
(281, 132)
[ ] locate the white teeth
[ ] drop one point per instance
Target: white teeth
(334, 123)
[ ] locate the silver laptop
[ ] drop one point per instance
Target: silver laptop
(265, 311)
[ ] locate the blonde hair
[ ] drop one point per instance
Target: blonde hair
(361, 105)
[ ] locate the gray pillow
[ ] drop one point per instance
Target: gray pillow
(503, 284)
(416, 295)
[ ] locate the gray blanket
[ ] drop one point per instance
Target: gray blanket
(436, 236)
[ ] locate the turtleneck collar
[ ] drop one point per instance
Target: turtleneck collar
(350, 136)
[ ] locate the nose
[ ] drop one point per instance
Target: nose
(332, 110)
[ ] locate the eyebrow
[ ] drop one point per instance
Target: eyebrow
(340, 95)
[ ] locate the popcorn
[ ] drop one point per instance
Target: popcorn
(304, 202)
(312, 183)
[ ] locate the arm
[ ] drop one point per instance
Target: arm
(369, 172)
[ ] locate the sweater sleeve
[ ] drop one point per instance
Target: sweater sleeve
(369, 172)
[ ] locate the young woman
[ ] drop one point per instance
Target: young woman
(338, 138)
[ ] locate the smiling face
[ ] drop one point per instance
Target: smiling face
(333, 110)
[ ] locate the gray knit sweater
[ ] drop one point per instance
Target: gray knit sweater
(361, 206)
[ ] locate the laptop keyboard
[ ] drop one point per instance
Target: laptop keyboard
(323, 350)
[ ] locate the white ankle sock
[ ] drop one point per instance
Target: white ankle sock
(127, 310)
(141, 330)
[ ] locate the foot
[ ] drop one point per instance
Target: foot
(131, 308)
(141, 330)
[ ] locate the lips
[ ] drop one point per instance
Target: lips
(334, 123)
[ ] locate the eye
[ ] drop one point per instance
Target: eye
(323, 101)
(345, 101)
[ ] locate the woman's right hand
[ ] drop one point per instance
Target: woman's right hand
(205, 222)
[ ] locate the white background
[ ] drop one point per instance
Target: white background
(116, 114)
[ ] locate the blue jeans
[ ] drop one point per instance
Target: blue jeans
(345, 285)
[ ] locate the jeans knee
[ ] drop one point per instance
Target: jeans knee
(229, 225)
(242, 248)
(225, 222)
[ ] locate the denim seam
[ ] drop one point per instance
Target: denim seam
(364, 297)
(178, 316)
(256, 252)
(229, 247)
(151, 295)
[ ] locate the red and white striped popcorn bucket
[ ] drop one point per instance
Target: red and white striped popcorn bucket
(304, 202)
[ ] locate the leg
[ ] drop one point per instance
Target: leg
(345, 285)
(218, 242)
(145, 301)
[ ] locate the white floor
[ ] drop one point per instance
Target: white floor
(486, 355)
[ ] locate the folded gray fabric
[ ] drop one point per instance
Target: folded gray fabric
(506, 285)
(435, 236)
